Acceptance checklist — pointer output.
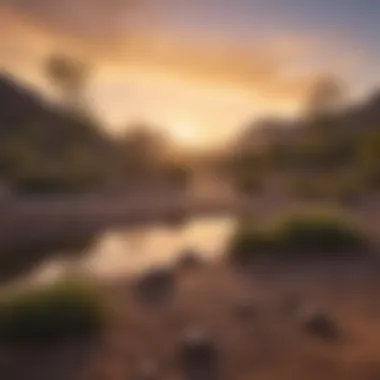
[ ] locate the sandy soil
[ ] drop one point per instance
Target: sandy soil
(146, 342)
(267, 341)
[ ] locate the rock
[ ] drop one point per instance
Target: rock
(199, 356)
(321, 325)
(156, 287)
(189, 260)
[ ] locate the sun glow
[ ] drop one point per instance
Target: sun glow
(185, 135)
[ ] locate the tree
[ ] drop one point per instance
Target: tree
(70, 76)
(325, 97)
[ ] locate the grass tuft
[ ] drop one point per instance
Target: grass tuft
(298, 235)
(50, 313)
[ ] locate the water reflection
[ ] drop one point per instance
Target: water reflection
(27, 253)
(124, 251)
(127, 251)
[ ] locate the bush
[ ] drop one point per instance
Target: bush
(298, 235)
(51, 313)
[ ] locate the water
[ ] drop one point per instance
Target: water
(127, 251)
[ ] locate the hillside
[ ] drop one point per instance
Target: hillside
(333, 153)
(354, 119)
(44, 147)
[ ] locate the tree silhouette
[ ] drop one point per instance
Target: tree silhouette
(325, 97)
(70, 77)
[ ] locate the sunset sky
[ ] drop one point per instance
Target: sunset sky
(197, 69)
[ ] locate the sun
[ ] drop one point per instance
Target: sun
(185, 135)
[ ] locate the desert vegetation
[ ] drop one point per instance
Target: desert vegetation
(298, 235)
(328, 153)
(49, 148)
(53, 313)
(290, 295)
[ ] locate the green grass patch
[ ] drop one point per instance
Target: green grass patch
(50, 313)
(298, 235)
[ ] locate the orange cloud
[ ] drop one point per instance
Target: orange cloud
(84, 17)
(265, 71)
(33, 29)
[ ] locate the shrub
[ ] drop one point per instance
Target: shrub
(298, 235)
(51, 313)
(248, 242)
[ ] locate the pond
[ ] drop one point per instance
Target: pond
(125, 251)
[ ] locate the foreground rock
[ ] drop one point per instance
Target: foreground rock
(156, 287)
(321, 325)
(199, 356)
(189, 260)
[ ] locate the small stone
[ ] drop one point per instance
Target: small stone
(321, 325)
(189, 260)
(156, 287)
(199, 356)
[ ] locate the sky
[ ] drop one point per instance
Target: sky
(199, 70)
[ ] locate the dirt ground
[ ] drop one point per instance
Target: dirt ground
(252, 325)
(248, 325)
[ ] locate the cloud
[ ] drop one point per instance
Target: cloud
(272, 70)
(33, 29)
(128, 33)
(84, 17)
